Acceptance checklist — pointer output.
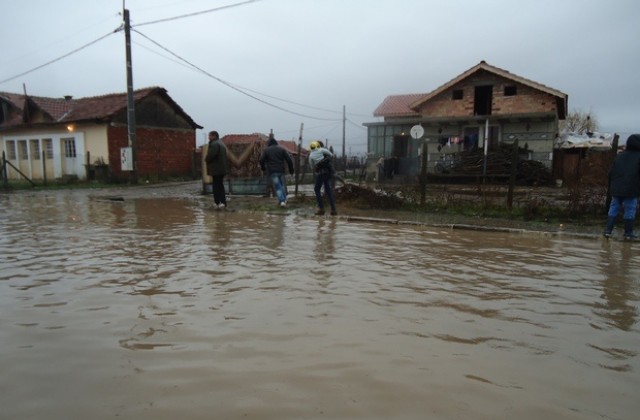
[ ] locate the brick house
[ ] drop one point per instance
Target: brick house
(55, 138)
(480, 109)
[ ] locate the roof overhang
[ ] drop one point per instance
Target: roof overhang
(467, 120)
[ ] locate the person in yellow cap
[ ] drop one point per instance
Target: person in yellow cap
(320, 161)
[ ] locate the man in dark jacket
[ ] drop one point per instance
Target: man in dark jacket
(217, 167)
(624, 185)
(272, 161)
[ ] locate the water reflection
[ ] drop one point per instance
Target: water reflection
(159, 308)
(619, 288)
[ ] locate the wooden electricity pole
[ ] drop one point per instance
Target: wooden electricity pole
(131, 112)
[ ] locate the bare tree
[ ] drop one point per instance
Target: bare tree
(580, 122)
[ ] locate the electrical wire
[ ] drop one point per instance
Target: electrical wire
(195, 13)
(61, 57)
(224, 82)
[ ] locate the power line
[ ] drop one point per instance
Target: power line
(60, 58)
(355, 124)
(224, 82)
(188, 64)
(196, 13)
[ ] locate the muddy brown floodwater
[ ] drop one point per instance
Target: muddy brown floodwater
(156, 307)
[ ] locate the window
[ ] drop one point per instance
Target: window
(35, 149)
(510, 91)
(457, 94)
(69, 147)
(47, 145)
(23, 150)
(11, 150)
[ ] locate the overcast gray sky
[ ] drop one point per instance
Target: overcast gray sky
(301, 61)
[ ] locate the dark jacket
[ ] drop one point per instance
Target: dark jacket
(274, 157)
(216, 159)
(624, 175)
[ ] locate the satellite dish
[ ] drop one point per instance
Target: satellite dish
(417, 131)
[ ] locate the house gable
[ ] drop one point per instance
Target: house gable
(481, 90)
(488, 90)
(155, 111)
(487, 93)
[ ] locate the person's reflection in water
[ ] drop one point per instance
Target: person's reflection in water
(617, 291)
(324, 250)
(275, 239)
(325, 246)
(220, 233)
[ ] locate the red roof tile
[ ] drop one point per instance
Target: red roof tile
(230, 139)
(105, 107)
(398, 106)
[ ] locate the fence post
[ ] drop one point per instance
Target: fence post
(44, 168)
(423, 174)
(5, 180)
(512, 177)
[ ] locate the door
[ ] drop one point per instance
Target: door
(70, 158)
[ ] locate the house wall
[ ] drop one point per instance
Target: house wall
(29, 145)
(160, 153)
(527, 100)
(96, 142)
(537, 136)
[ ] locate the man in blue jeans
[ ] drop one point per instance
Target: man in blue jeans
(273, 160)
(624, 186)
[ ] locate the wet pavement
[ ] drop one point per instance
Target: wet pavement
(144, 303)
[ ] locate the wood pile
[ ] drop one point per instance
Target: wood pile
(244, 159)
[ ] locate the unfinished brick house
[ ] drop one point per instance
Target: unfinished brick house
(479, 110)
(54, 138)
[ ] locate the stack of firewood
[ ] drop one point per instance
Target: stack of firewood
(244, 159)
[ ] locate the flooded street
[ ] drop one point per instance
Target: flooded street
(158, 307)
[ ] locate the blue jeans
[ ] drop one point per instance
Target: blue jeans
(278, 181)
(324, 179)
(629, 204)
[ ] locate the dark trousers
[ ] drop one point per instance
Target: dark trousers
(324, 180)
(219, 196)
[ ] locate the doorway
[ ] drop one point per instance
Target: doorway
(400, 146)
(482, 100)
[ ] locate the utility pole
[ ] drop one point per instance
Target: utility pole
(131, 111)
(344, 128)
(298, 163)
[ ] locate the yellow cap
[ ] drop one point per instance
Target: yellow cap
(314, 145)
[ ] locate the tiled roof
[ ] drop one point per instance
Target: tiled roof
(233, 139)
(398, 106)
(105, 107)
(292, 147)
(230, 139)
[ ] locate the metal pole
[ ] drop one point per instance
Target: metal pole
(131, 112)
